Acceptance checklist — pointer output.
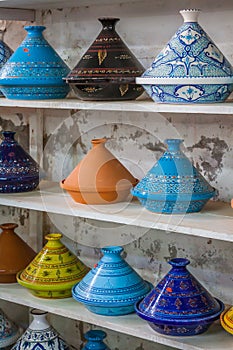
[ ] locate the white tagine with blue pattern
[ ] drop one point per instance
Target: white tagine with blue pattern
(190, 69)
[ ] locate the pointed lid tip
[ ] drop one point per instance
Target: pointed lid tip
(179, 262)
(53, 236)
(9, 226)
(95, 335)
(190, 15)
(101, 141)
(112, 250)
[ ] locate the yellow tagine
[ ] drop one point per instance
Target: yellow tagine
(226, 319)
(54, 270)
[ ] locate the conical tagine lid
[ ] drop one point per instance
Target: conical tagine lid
(9, 331)
(179, 296)
(99, 177)
(95, 339)
(226, 319)
(53, 271)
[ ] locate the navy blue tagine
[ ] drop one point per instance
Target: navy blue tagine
(35, 71)
(95, 340)
(18, 170)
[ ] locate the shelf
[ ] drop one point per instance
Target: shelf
(214, 221)
(215, 339)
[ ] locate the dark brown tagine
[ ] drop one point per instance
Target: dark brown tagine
(108, 69)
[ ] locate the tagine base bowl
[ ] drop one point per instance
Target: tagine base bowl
(34, 92)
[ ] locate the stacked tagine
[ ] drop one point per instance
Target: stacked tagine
(190, 69)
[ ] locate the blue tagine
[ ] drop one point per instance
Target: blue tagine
(179, 305)
(18, 170)
(9, 331)
(190, 69)
(5, 53)
(95, 340)
(112, 287)
(35, 71)
(173, 185)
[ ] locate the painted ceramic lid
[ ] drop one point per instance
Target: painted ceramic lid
(9, 332)
(173, 177)
(226, 319)
(179, 296)
(189, 55)
(112, 282)
(95, 339)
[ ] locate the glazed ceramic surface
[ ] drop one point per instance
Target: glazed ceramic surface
(40, 335)
(5, 54)
(112, 287)
(35, 71)
(173, 185)
(18, 170)
(226, 319)
(15, 254)
(53, 271)
(99, 178)
(108, 69)
(9, 331)
(179, 305)
(190, 69)
(95, 340)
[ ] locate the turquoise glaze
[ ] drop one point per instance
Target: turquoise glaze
(35, 70)
(95, 340)
(173, 185)
(112, 287)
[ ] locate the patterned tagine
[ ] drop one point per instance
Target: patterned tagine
(5, 53)
(35, 71)
(226, 319)
(18, 171)
(95, 340)
(179, 305)
(112, 287)
(40, 335)
(99, 178)
(173, 185)
(190, 69)
(9, 331)
(108, 69)
(15, 254)
(53, 271)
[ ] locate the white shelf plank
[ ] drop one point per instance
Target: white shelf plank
(214, 221)
(215, 339)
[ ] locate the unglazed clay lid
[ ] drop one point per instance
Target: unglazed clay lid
(226, 319)
(179, 296)
(190, 55)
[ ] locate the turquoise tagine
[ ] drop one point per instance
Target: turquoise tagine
(95, 340)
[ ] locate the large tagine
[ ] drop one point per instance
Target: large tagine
(226, 319)
(108, 69)
(19, 172)
(15, 254)
(173, 185)
(179, 305)
(99, 178)
(54, 270)
(35, 71)
(190, 69)
(112, 287)
(9, 331)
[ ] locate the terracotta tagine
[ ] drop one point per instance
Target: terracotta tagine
(108, 69)
(15, 254)
(40, 335)
(18, 170)
(173, 184)
(190, 69)
(95, 339)
(5, 53)
(226, 319)
(112, 287)
(9, 331)
(179, 305)
(99, 178)
(54, 270)
(35, 71)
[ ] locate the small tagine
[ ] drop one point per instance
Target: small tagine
(179, 305)
(112, 287)
(108, 69)
(9, 331)
(35, 71)
(173, 185)
(19, 172)
(40, 335)
(99, 178)
(95, 339)
(54, 270)
(190, 69)
(226, 319)
(15, 254)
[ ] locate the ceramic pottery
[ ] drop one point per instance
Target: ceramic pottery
(99, 178)
(5, 53)
(40, 335)
(179, 305)
(35, 70)
(173, 185)
(95, 340)
(18, 170)
(112, 287)
(190, 69)
(108, 69)
(226, 319)
(15, 254)
(54, 270)
(9, 332)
